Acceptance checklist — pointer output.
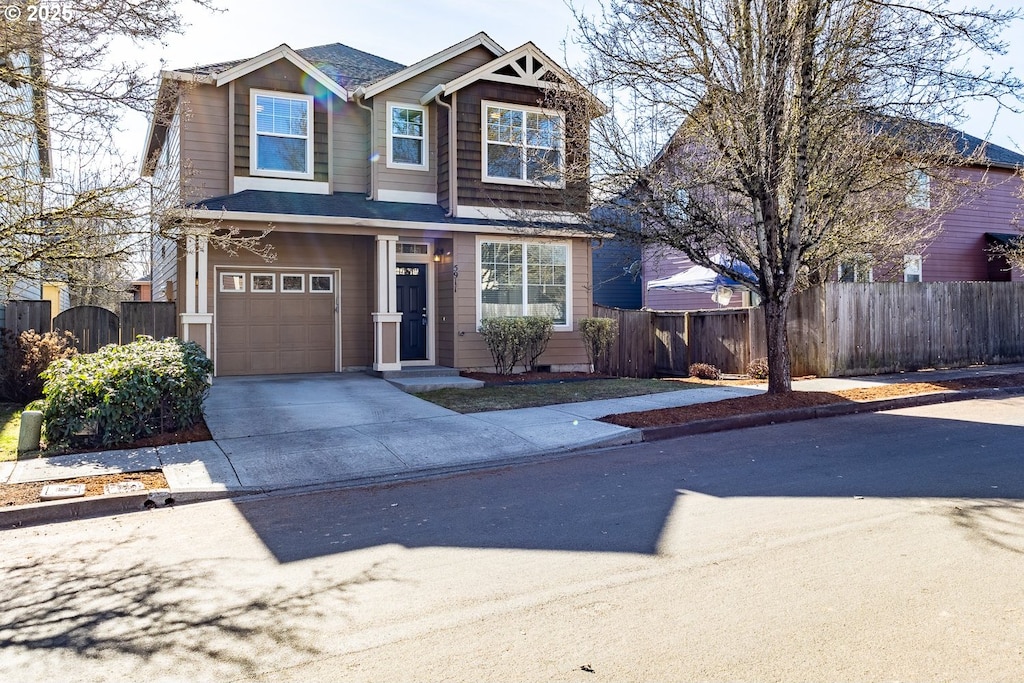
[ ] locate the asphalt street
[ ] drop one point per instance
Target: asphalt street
(870, 547)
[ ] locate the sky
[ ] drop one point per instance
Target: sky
(407, 31)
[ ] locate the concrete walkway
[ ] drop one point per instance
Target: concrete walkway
(295, 431)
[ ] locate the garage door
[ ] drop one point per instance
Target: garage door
(275, 321)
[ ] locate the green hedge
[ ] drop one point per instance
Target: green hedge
(516, 340)
(123, 393)
(598, 336)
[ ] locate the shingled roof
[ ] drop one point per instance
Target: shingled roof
(346, 66)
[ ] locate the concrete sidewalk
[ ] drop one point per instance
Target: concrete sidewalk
(308, 431)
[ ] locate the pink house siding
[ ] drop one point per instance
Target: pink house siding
(958, 253)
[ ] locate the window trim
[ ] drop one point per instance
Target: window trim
(302, 283)
(858, 264)
(329, 276)
(484, 177)
(567, 326)
(919, 192)
(254, 170)
(425, 140)
(252, 283)
(919, 271)
(220, 282)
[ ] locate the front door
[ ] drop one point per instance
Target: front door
(411, 288)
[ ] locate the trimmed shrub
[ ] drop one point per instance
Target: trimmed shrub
(506, 340)
(758, 368)
(123, 393)
(24, 356)
(537, 333)
(705, 371)
(515, 340)
(598, 335)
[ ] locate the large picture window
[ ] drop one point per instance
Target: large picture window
(407, 136)
(524, 278)
(282, 135)
(522, 145)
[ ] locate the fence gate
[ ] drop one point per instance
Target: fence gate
(155, 318)
(92, 326)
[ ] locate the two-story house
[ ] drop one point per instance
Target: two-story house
(407, 203)
(959, 250)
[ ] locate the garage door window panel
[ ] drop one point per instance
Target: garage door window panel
(262, 282)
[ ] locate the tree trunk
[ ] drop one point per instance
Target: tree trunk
(780, 379)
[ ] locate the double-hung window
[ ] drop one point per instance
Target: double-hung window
(281, 136)
(522, 145)
(919, 189)
(525, 278)
(407, 136)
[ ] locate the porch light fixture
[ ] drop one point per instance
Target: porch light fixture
(438, 253)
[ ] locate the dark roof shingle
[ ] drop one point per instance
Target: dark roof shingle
(346, 66)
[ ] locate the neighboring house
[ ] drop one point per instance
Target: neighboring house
(958, 252)
(397, 225)
(617, 262)
(24, 165)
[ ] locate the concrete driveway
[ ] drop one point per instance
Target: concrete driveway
(298, 430)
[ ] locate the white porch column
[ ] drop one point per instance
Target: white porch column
(196, 321)
(386, 319)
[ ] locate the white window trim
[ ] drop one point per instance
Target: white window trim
(425, 166)
(918, 270)
(484, 104)
(252, 283)
(567, 326)
(253, 141)
(321, 291)
(919, 195)
(220, 282)
(302, 283)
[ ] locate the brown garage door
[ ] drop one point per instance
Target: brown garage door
(275, 322)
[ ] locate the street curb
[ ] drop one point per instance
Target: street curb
(99, 506)
(96, 506)
(723, 424)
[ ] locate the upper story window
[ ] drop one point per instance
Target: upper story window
(407, 136)
(919, 190)
(281, 135)
(522, 145)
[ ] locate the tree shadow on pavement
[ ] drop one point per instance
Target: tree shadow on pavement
(618, 500)
(147, 612)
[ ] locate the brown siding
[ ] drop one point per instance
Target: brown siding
(443, 198)
(281, 76)
(473, 191)
(352, 254)
(445, 307)
(204, 142)
(350, 147)
(565, 348)
(410, 92)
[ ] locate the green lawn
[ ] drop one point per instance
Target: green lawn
(10, 425)
(533, 395)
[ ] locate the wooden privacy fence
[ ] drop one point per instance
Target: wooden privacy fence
(93, 326)
(834, 330)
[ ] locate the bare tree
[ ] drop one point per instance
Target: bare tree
(801, 132)
(62, 96)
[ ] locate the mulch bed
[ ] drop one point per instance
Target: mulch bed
(24, 494)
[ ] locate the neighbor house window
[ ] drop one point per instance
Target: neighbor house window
(856, 270)
(407, 136)
(524, 278)
(281, 138)
(912, 268)
(919, 188)
(522, 145)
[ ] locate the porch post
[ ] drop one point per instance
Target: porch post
(386, 319)
(196, 321)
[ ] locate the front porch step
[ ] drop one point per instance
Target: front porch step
(415, 385)
(418, 371)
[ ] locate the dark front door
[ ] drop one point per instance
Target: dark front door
(411, 288)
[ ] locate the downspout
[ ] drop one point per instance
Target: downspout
(453, 169)
(357, 98)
